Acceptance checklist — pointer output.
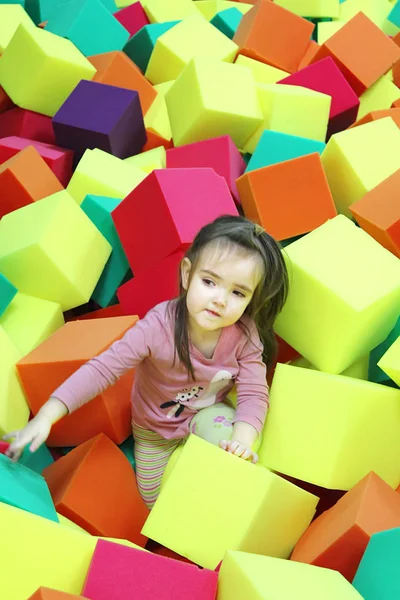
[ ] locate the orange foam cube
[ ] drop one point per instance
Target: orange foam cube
(154, 141)
(94, 486)
(309, 54)
(289, 198)
(337, 538)
(375, 115)
(44, 593)
(52, 362)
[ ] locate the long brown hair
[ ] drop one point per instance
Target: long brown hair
(268, 298)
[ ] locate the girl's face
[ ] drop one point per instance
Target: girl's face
(220, 289)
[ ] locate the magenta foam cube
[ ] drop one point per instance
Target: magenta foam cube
(132, 17)
(97, 115)
(166, 210)
(219, 153)
(325, 76)
(28, 124)
(119, 572)
(58, 159)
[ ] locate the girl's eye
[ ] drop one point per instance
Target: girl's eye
(240, 294)
(208, 282)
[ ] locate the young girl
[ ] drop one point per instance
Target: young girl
(188, 354)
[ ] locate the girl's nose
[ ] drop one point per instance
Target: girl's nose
(220, 299)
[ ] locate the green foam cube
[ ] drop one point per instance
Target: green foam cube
(390, 362)
(141, 45)
(227, 21)
(7, 293)
(38, 460)
(375, 373)
(14, 410)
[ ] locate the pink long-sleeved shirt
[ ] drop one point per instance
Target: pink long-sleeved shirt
(163, 399)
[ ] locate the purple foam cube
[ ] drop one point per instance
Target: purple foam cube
(97, 115)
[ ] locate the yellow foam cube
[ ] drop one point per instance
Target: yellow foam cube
(376, 10)
(390, 362)
(122, 542)
(39, 70)
(212, 98)
(291, 109)
(157, 117)
(268, 512)
(243, 575)
(68, 523)
(241, 6)
(359, 369)
(193, 36)
(103, 174)
(379, 96)
(209, 8)
(155, 158)
(311, 8)
(29, 321)
(358, 159)
(52, 250)
(344, 295)
(325, 30)
(11, 16)
(262, 72)
(159, 11)
(14, 410)
(331, 430)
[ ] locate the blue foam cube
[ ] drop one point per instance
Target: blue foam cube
(227, 21)
(7, 293)
(141, 45)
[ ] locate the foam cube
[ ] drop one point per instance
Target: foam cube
(141, 45)
(98, 469)
(50, 364)
(38, 460)
(219, 153)
(361, 51)
(14, 410)
(375, 373)
(29, 321)
(102, 174)
(187, 199)
(51, 249)
(47, 8)
(99, 209)
(204, 476)
(209, 8)
(155, 158)
(312, 8)
(375, 115)
(245, 575)
(210, 99)
(57, 64)
(11, 16)
(275, 147)
(340, 271)
(293, 110)
(262, 30)
(262, 72)
(227, 21)
(24, 179)
(89, 25)
(27, 124)
(357, 160)
(7, 293)
(132, 17)
(325, 76)
(244, 7)
(379, 96)
(5, 102)
(157, 119)
(116, 126)
(359, 369)
(116, 68)
(313, 428)
(23, 488)
(112, 566)
(390, 362)
(59, 160)
(338, 538)
(378, 213)
(305, 201)
(377, 575)
(159, 11)
(48, 594)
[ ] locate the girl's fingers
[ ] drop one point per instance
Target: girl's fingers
(10, 435)
(223, 444)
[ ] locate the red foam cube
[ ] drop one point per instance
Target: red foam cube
(28, 124)
(132, 17)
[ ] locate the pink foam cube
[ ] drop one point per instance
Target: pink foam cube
(119, 572)
(325, 76)
(132, 17)
(219, 153)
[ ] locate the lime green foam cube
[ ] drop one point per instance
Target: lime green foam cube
(390, 362)
(159, 11)
(358, 159)
(344, 295)
(39, 70)
(242, 6)
(156, 158)
(209, 8)
(11, 16)
(266, 514)
(103, 174)
(14, 410)
(262, 72)
(376, 10)
(157, 117)
(311, 8)
(193, 36)
(379, 96)
(327, 29)
(212, 98)
(52, 250)
(244, 575)
(30, 320)
(359, 369)
(291, 109)
(331, 430)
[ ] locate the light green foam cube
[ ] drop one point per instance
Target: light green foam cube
(344, 295)
(331, 430)
(39, 70)
(311, 8)
(242, 6)
(174, 49)
(157, 117)
(262, 72)
(156, 158)
(291, 109)
(14, 410)
(358, 370)
(390, 362)
(251, 576)
(160, 11)
(11, 16)
(379, 96)
(267, 514)
(358, 159)
(209, 8)
(52, 250)
(103, 174)
(211, 98)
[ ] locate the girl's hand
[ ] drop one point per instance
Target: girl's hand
(238, 449)
(34, 433)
